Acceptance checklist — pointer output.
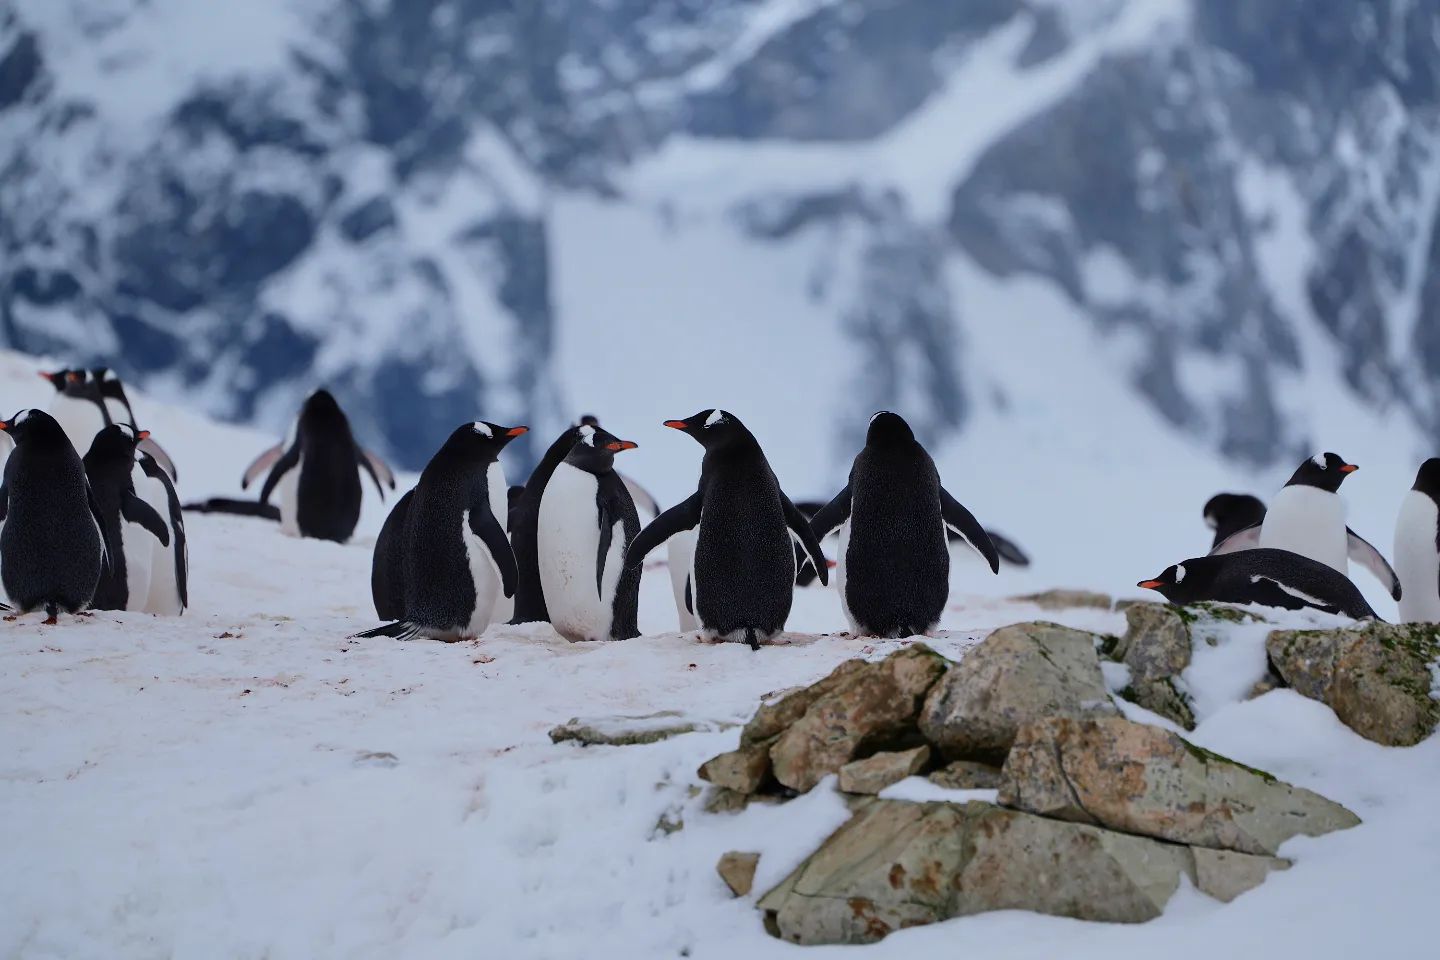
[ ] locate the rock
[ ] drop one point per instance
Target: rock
(1127, 776)
(742, 770)
(1163, 697)
(781, 710)
(1271, 681)
(869, 707)
(1224, 874)
(967, 775)
(1376, 677)
(875, 773)
(626, 731)
(898, 864)
(1017, 674)
(738, 871)
(1066, 599)
(1156, 642)
(725, 800)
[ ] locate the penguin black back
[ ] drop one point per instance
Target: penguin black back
(109, 468)
(1265, 576)
(387, 569)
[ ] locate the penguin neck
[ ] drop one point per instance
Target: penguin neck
(591, 459)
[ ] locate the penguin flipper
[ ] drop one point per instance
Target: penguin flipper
(378, 469)
(831, 515)
(400, 630)
(800, 525)
(284, 465)
(1363, 553)
(484, 525)
(963, 522)
(1008, 550)
(135, 510)
(95, 515)
(685, 515)
(1247, 539)
(1271, 592)
(242, 508)
(149, 446)
(261, 464)
(4, 501)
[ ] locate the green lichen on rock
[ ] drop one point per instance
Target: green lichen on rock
(1210, 756)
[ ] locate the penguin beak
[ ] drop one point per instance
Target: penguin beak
(1349, 468)
(517, 431)
(1151, 584)
(676, 424)
(619, 445)
(4, 424)
(52, 377)
(143, 435)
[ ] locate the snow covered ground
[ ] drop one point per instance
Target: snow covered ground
(244, 782)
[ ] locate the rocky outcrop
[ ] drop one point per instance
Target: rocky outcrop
(1139, 779)
(742, 770)
(966, 775)
(628, 731)
(877, 772)
(1066, 599)
(1378, 678)
(1017, 674)
(1156, 642)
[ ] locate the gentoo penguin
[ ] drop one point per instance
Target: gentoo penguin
(51, 547)
(680, 558)
(587, 519)
(1229, 513)
(893, 562)
(170, 567)
(131, 525)
(524, 525)
(1417, 547)
(1269, 577)
(316, 471)
(646, 506)
(77, 406)
(387, 568)
(118, 410)
(1308, 517)
(742, 578)
(454, 559)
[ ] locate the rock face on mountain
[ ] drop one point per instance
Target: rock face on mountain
(373, 194)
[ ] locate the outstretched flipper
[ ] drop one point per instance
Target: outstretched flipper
(685, 515)
(1371, 559)
(378, 469)
(1247, 539)
(963, 522)
(799, 525)
(261, 465)
(831, 515)
(484, 525)
(148, 445)
(284, 465)
(135, 510)
(1008, 550)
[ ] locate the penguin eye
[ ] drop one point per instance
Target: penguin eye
(715, 417)
(482, 428)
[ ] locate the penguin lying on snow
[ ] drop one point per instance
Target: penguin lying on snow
(1308, 518)
(316, 471)
(130, 524)
(893, 561)
(52, 547)
(1269, 577)
(1417, 547)
(441, 563)
(742, 578)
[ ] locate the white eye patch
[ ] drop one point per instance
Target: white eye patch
(715, 417)
(587, 435)
(1319, 461)
(22, 416)
(482, 428)
(1180, 574)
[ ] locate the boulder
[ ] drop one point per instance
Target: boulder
(1066, 600)
(1162, 697)
(1127, 776)
(777, 711)
(629, 730)
(966, 775)
(1376, 677)
(1017, 674)
(877, 772)
(1156, 642)
(870, 707)
(743, 770)
(1224, 874)
(738, 871)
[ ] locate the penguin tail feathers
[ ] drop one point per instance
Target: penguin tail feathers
(400, 630)
(241, 508)
(752, 639)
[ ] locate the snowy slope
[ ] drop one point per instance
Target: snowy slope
(243, 782)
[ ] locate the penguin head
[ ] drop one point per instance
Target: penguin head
(116, 443)
(33, 427)
(711, 428)
(595, 449)
(1233, 511)
(1182, 582)
(1427, 480)
(588, 420)
(1324, 470)
(57, 378)
(887, 429)
(483, 440)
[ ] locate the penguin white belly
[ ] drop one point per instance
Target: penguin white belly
(137, 543)
(485, 577)
(288, 489)
(841, 548)
(164, 592)
(1311, 522)
(80, 419)
(681, 553)
(1417, 561)
(500, 506)
(568, 542)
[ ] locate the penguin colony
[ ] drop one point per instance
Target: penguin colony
(104, 529)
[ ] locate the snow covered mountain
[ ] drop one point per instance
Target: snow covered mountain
(985, 214)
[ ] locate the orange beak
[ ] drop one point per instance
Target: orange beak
(52, 377)
(517, 431)
(1349, 468)
(1151, 584)
(143, 435)
(4, 425)
(621, 445)
(676, 424)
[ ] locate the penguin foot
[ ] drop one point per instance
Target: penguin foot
(12, 618)
(85, 613)
(50, 621)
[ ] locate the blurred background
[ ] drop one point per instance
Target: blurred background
(1107, 256)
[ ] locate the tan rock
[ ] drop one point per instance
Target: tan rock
(779, 710)
(1224, 874)
(738, 871)
(966, 775)
(877, 772)
(1067, 599)
(743, 770)
(1156, 642)
(623, 731)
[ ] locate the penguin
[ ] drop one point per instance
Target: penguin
(742, 577)
(387, 568)
(316, 471)
(1008, 549)
(1417, 547)
(524, 524)
(77, 406)
(1308, 518)
(646, 506)
(1266, 576)
(52, 547)
(1229, 513)
(170, 566)
(118, 410)
(893, 560)
(453, 557)
(587, 520)
(680, 557)
(129, 523)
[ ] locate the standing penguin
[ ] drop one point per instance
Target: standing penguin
(130, 524)
(452, 559)
(1269, 577)
(1417, 547)
(524, 525)
(587, 520)
(118, 410)
(51, 547)
(316, 471)
(170, 566)
(1308, 517)
(742, 578)
(893, 562)
(680, 558)
(77, 406)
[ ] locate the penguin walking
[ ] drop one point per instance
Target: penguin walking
(315, 471)
(1417, 547)
(587, 520)
(1308, 517)
(893, 561)
(742, 577)
(51, 547)
(129, 523)
(1265, 576)
(449, 559)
